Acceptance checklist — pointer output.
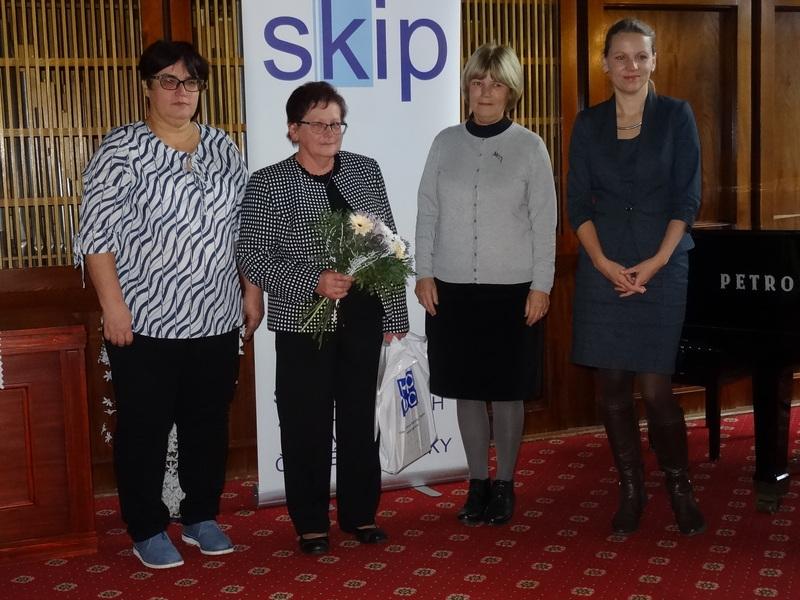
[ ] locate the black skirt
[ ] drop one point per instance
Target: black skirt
(479, 347)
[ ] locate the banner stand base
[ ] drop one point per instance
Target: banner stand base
(428, 491)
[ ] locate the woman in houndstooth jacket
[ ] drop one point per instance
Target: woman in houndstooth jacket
(278, 250)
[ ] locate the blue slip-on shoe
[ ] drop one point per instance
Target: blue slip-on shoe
(157, 552)
(208, 537)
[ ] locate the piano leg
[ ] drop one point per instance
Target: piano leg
(772, 396)
(713, 414)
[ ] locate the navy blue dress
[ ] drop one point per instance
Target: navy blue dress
(631, 190)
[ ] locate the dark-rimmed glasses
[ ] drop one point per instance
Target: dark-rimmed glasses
(169, 82)
(319, 128)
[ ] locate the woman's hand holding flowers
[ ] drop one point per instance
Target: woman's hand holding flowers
(359, 249)
(333, 285)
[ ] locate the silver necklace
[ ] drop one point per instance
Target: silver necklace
(629, 127)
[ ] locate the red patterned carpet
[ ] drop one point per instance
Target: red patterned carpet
(557, 547)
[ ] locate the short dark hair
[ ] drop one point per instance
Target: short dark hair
(309, 95)
(163, 53)
(630, 25)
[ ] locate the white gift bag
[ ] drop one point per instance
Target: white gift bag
(403, 409)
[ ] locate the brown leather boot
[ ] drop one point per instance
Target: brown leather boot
(632, 499)
(622, 429)
(671, 447)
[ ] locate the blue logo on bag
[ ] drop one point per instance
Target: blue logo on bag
(408, 392)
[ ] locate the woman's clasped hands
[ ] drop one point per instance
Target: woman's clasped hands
(630, 280)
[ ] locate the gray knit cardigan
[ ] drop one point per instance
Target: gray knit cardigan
(487, 209)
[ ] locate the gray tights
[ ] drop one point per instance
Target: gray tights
(473, 422)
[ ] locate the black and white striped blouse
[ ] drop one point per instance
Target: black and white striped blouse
(171, 219)
(279, 249)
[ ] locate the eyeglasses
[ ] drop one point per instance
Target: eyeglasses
(319, 128)
(168, 82)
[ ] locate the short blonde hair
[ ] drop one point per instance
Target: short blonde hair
(502, 63)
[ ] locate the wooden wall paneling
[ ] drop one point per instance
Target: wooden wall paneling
(180, 19)
(153, 21)
(573, 100)
(62, 65)
(51, 297)
(741, 138)
(571, 386)
(778, 197)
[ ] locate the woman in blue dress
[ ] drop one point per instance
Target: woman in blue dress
(634, 190)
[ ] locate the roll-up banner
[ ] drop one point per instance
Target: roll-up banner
(396, 63)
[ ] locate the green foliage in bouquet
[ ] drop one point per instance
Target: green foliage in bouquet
(361, 245)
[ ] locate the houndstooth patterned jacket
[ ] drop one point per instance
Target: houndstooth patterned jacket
(278, 247)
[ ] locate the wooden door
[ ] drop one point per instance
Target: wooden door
(778, 128)
(46, 501)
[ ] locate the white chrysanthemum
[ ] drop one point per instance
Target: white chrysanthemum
(360, 223)
(384, 231)
(398, 246)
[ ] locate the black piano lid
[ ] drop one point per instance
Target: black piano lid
(746, 281)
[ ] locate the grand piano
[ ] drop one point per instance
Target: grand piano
(743, 317)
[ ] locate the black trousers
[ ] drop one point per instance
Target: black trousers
(158, 382)
(309, 382)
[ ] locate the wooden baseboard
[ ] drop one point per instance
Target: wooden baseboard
(40, 549)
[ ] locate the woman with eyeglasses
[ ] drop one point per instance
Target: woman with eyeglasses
(485, 251)
(159, 222)
(279, 250)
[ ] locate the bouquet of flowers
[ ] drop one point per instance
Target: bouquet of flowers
(361, 245)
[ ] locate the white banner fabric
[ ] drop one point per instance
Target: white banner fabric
(396, 63)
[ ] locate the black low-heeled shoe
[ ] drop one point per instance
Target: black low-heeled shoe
(369, 535)
(315, 545)
(501, 504)
(477, 500)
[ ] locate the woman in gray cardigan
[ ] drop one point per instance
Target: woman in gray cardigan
(485, 248)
